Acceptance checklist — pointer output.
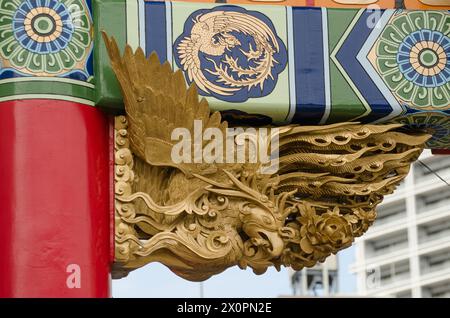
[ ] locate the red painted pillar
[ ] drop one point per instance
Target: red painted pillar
(55, 200)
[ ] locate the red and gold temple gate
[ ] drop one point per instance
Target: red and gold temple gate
(58, 95)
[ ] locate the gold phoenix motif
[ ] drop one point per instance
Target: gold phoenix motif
(211, 34)
(200, 219)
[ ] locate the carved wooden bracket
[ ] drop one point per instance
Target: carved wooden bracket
(201, 218)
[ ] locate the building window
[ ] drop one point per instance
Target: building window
(434, 230)
(387, 244)
(388, 213)
(440, 165)
(404, 294)
(435, 261)
(394, 272)
(440, 290)
(433, 200)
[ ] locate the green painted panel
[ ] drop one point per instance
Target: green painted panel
(109, 16)
(46, 87)
(345, 104)
(334, 70)
(276, 104)
(338, 22)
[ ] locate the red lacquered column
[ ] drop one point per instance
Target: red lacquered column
(55, 200)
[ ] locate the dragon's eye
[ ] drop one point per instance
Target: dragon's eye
(266, 220)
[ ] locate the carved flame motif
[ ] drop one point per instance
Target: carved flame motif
(200, 219)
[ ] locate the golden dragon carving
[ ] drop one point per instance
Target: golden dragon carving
(200, 219)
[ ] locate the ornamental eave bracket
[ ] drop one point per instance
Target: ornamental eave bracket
(200, 219)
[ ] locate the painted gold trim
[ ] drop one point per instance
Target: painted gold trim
(355, 1)
(436, 2)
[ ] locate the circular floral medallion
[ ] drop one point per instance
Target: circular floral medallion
(413, 57)
(45, 37)
(435, 123)
(423, 60)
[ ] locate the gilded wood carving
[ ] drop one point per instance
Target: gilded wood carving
(201, 218)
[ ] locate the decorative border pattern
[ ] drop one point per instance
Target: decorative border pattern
(46, 50)
(372, 66)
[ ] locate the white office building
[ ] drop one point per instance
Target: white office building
(318, 281)
(406, 253)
